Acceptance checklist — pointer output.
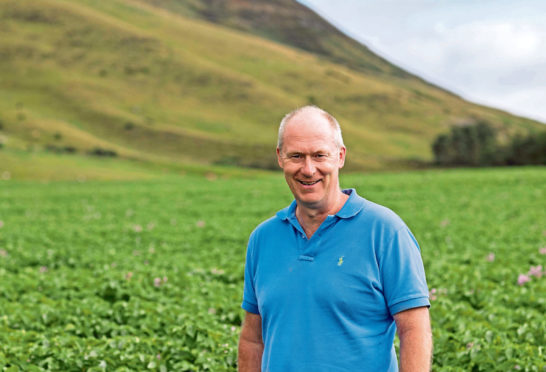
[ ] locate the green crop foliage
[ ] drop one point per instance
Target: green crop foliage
(148, 274)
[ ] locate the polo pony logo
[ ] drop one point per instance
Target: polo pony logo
(340, 261)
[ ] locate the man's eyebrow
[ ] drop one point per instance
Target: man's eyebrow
(304, 153)
(324, 151)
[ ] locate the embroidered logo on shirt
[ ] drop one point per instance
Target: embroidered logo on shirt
(340, 261)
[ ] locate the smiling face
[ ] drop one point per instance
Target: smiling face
(311, 160)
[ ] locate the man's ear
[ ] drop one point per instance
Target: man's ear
(342, 154)
(279, 157)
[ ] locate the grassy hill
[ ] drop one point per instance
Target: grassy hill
(287, 22)
(154, 85)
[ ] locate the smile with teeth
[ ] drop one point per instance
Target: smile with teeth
(308, 183)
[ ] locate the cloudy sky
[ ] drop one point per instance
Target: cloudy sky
(489, 51)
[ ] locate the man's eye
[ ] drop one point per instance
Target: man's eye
(295, 156)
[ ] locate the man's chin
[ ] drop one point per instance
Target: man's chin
(309, 201)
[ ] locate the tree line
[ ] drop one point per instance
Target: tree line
(478, 145)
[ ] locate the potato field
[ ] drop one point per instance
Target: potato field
(148, 275)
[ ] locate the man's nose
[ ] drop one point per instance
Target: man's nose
(308, 168)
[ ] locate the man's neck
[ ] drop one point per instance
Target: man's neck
(311, 218)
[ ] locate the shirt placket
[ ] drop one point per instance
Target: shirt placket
(308, 248)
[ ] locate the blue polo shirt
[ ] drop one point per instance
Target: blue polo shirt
(327, 302)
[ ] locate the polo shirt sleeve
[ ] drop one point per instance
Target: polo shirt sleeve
(402, 273)
(250, 302)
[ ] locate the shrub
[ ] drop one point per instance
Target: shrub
(61, 149)
(97, 151)
(477, 145)
(527, 150)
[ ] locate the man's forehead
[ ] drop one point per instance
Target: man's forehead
(308, 119)
(308, 136)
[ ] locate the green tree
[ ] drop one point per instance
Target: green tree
(467, 145)
(527, 150)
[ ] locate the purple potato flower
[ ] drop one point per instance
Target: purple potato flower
(522, 279)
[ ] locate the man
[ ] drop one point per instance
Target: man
(329, 279)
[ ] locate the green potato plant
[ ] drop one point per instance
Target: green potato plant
(148, 275)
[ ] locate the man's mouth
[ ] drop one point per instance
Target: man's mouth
(308, 183)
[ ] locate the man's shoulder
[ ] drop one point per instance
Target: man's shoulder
(272, 222)
(380, 216)
(272, 225)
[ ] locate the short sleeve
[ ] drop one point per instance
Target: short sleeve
(250, 303)
(403, 274)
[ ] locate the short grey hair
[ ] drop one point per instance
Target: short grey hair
(338, 139)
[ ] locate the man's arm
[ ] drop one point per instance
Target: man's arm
(251, 345)
(415, 336)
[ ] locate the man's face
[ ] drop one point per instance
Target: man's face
(311, 160)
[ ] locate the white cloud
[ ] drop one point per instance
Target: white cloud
(489, 44)
(527, 100)
(477, 52)
(501, 64)
(493, 52)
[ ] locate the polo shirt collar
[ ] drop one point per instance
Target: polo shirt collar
(288, 212)
(351, 208)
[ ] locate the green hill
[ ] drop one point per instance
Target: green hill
(287, 22)
(171, 85)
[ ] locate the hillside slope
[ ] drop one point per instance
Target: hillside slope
(152, 85)
(290, 23)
